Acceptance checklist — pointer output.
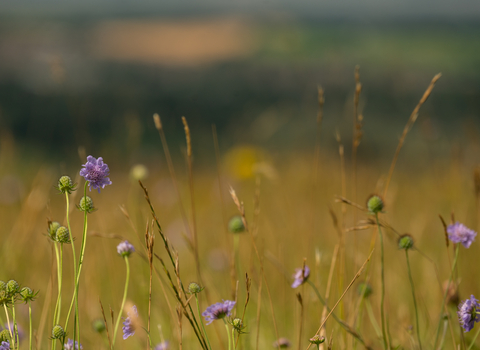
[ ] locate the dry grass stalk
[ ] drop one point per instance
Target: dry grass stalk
(410, 122)
(150, 242)
(300, 330)
(323, 332)
(106, 323)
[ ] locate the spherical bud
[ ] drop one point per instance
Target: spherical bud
(125, 249)
(405, 242)
(52, 229)
(194, 288)
(98, 325)
(375, 204)
(58, 332)
(12, 287)
(3, 285)
(65, 184)
(62, 235)
(364, 289)
(237, 324)
(27, 294)
(86, 204)
(4, 335)
(235, 225)
(317, 339)
(139, 172)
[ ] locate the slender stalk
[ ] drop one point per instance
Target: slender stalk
(414, 299)
(473, 340)
(201, 322)
(236, 239)
(228, 334)
(74, 296)
(382, 274)
(8, 323)
(15, 338)
(30, 325)
(373, 321)
(123, 300)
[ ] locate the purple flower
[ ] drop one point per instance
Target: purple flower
(283, 343)
(467, 313)
(300, 278)
(125, 248)
(129, 325)
(459, 233)
(96, 173)
(218, 311)
(69, 345)
(5, 345)
(162, 346)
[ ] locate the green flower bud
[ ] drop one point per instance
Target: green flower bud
(52, 229)
(237, 324)
(86, 204)
(62, 235)
(235, 225)
(12, 287)
(364, 289)
(4, 335)
(58, 332)
(27, 294)
(98, 325)
(194, 288)
(375, 204)
(317, 339)
(65, 185)
(3, 285)
(405, 242)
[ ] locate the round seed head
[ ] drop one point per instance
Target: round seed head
(194, 288)
(12, 287)
(364, 289)
(4, 335)
(98, 325)
(58, 332)
(235, 225)
(65, 184)
(86, 204)
(62, 235)
(52, 229)
(405, 242)
(375, 204)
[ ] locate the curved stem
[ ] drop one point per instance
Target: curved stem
(74, 296)
(414, 299)
(123, 300)
(382, 274)
(201, 322)
(473, 340)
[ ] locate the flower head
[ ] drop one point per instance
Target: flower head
(125, 248)
(283, 343)
(300, 276)
(375, 204)
(66, 185)
(129, 323)
(58, 332)
(218, 311)
(96, 173)
(459, 233)
(467, 313)
(86, 204)
(9, 327)
(317, 340)
(162, 346)
(235, 225)
(69, 345)
(5, 345)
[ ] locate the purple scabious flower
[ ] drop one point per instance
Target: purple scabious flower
(218, 311)
(69, 345)
(467, 313)
(162, 346)
(96, 173)
(459, 233)
(125, 248)
(5, 345)
(300, 276)
(129, 325)
(283, 343)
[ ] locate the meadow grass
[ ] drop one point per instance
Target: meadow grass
(295, 254)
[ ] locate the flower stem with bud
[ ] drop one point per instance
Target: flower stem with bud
(414, 299)
(201, 322)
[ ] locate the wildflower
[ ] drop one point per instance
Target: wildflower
(53, 226)
(86, 204)
(12, 288)
(300, 276)
(459, 233)
(194, 288)
(4, 335)
(65, 185)
(467, 313)
(58, 332)
(162, 346)
(129, 324)
(235, 225)
(125, 249)
(405, 242)
(69, 345)
(237, 324)
(283, 343)
(317, 339)
(375, 204)
(5, 345)
(9, 327)
(62, 235)
(218, 311)
(96, 173)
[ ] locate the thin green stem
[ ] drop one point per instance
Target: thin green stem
(201, 322)
(445, 295)
(414, 299)
(382, 274)
(371, 316)
(233, 338)
(30, 325)
(236, 239)
(228, 334)
(15, 338)
(8, 322)
(123, 300)
(74, 296)
(473, 340)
